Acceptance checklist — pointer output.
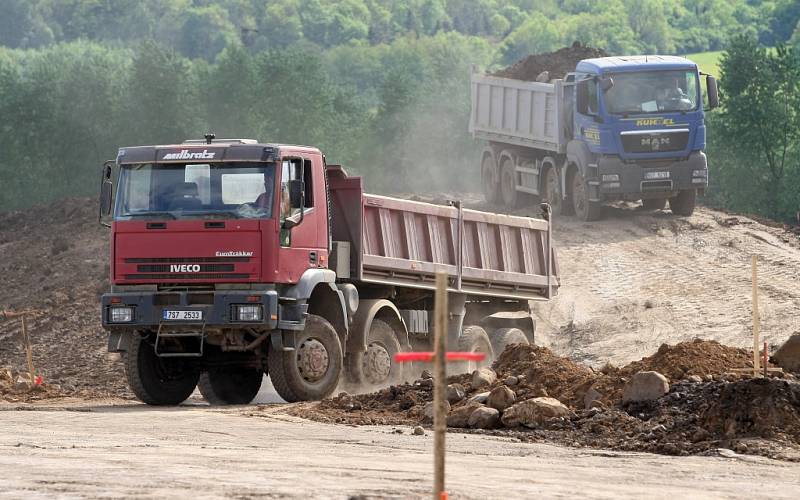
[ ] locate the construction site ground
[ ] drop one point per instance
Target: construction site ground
(631, 282)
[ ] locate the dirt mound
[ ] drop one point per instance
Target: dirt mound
(756, 407)
(16, 387)
(557, 63)
(55, 262)
(543, 373)
(697, 357)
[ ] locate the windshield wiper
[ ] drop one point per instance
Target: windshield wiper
(233, 214)
(150, 214)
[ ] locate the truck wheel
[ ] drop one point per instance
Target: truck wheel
(684, 203)
(504, 337)
(475, 339)
(508, 184)
(376, 367)
(231, 386)
(585, 210)
(488, 179)
(155, 380)
(312, 370)
(654, 203)
(552, 193)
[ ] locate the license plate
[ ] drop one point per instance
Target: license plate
(183, 315)
(656, 175)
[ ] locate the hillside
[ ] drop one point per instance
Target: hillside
(630, 283)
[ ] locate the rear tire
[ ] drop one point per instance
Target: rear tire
(377, 367)
(508, 184)
(490, 186)
(475, 339)
(504, 337)
(231, 386)
(683, 203)
(312, 370)
(585, 209)
(553, 195)
(654, 203)
(155, 380)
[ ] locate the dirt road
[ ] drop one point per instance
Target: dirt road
(119, 449)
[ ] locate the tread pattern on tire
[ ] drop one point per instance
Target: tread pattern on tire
(503, 337)
(134, 376)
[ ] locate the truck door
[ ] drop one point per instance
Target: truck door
(300, 246)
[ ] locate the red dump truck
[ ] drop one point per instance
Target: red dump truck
(231, 259)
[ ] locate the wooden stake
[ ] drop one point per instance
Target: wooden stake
(439, 384)
(28, 349)
(756, 319)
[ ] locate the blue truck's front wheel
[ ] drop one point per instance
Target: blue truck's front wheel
(684, 202)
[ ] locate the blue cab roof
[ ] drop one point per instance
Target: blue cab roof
(601, 65)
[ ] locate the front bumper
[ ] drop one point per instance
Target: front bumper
(635, 180)
(217, 309)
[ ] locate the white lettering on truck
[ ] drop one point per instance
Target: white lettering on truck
(184, 268)
(186, 155)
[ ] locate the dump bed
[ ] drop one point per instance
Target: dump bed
(391, 241)
(529, 114)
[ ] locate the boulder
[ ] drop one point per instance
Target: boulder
(23, 384)
(788, 355)
(428, 410)
(533, 412)
(694, 379)
(590, 397)
(455, 393)
(511, 380)
(483, 377)
(501, 398)
(459, 417)
(481, 397)
(484, 418)
(419, 431)
(426, 374)
(645, 386)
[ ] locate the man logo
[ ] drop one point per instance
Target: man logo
(184, 268)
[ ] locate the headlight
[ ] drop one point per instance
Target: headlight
(247, 313)
(121, 314)
(699, 173)
(610, 177)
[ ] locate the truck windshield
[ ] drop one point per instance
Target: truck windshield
(652, 92)
(195, 190)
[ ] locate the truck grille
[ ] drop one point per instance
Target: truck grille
(655, 141)
(186, 268)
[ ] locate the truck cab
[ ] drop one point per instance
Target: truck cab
(639, 130)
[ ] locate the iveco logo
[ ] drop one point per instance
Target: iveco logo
(184, 268)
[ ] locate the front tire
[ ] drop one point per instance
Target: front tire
(312, 370)
(230, 386)
(155, 380)
(585, 209)
(683, 203)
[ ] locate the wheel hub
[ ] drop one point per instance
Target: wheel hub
(377, 364)
(312, 360)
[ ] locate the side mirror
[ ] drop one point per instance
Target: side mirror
(582, 97)
(713, 92)
(606, 83)
(106, 193)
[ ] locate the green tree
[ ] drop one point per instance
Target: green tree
(760, 125)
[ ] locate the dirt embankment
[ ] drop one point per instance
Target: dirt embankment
(709, 404)
(557, 64)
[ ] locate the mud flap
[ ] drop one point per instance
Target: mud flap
(118, 342)
(283, 340)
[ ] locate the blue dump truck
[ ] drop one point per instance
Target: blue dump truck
(616, 128)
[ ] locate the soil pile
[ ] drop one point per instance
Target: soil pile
(55, 262)
(557, 63)
(714, 409)
(17, 387)
(696, 357)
